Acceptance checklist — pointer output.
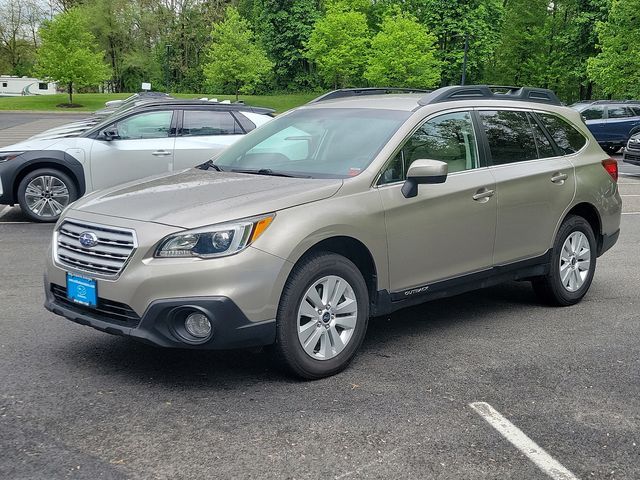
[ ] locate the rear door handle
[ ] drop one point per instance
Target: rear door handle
(559, 178)
(161, 153)
(483, 195)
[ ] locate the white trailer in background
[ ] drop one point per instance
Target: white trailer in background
(11, 86)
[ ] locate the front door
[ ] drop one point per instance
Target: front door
(448, 229)
(143, 146)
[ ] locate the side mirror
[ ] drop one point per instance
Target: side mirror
(424, 171)
(109, 134)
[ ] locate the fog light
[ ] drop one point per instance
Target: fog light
(198, 325)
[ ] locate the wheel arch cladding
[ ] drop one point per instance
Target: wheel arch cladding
(591, 215)
(356, 252)
(56, 160)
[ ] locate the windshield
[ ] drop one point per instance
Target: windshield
(318, 142)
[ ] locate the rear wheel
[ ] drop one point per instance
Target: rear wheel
(44, 193)
(322, 317)
(573, 264)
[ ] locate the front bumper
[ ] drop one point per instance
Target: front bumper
(631, 156)
(160, 324)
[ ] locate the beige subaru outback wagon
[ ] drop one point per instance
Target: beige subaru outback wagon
(355, 205)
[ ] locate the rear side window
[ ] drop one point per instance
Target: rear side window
(545, 149)
(509, 135)
(619, 112)
(566, 136)
(197, 123)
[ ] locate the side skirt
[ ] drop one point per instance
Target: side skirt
(388, 302)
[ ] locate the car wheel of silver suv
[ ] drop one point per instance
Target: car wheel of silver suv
(322, 316)
(43, 194)
(573, 263)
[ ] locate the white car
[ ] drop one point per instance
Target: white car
(48, 171)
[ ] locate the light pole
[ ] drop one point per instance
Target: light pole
(168, 47)
(464, 61)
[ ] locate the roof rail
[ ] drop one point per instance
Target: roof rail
(496, 92)
(355, 92)
(604, 102)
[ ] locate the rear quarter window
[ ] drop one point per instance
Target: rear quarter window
(567, 137)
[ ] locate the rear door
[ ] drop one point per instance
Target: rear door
(534, 183)
(621, 120)
(202, 134)
(143, 147)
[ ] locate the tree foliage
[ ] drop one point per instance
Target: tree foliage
(403, 54)
(339, 46)
(235, 61)
(67, 53)
(617, 67)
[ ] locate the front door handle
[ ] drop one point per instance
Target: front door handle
(161, 153)
(559, 178)
(483, 195)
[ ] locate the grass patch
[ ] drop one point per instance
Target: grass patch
(93, 101)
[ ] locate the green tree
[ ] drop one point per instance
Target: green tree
(403, 54)
(285, 26)
(234, 59)
(66, 54)
(339, 46)
(617, 67)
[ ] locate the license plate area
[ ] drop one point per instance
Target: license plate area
(82, 290)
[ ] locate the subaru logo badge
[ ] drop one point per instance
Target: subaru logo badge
(88, 239)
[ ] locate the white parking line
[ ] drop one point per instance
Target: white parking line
(5, 210)
(630, 213)
(508, 430)
(630, 195)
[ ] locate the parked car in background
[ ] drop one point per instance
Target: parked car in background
(136, 96)
(632, 151)
(352, 206)
(47, 172)
(611, 122)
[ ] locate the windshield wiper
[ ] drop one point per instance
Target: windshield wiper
(209, 164)
(268, 171)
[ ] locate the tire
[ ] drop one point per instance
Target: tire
(551, 288)
(333, 337)
(43, 194)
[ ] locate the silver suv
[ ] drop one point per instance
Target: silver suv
(354, 205)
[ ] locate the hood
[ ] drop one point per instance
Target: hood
(70, 130)
(32, 144)
(194, 198)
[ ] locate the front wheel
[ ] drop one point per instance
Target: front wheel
(573, 264)
(322, 316)
(43, 194)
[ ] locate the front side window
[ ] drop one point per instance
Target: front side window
(202, 122)
(593, 113)
(315, 142)
(448, 138)
(145, 125)
(509, 135)
(566, 136)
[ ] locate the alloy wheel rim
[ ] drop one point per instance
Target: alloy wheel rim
(46, 196)
(575, 261)
(327, 317)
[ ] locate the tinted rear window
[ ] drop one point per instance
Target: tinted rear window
(509, 135)
(566, 136)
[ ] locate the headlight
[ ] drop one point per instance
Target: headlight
(215, 241)
(5, 156)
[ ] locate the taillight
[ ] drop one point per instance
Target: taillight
(611, 166)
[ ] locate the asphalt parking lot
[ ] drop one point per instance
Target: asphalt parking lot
(78, 403)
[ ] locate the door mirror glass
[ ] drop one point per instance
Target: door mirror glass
(109, 134)
(424, 172)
